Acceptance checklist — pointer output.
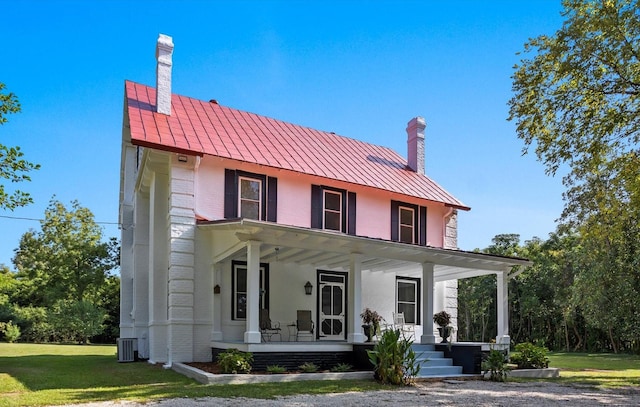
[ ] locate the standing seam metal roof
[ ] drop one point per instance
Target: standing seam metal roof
(200, 127)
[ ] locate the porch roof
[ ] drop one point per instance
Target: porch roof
(334, 250)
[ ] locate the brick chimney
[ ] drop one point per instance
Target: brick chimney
(164, 51)
(415, 144)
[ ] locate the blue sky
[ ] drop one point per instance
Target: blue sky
(360, 69)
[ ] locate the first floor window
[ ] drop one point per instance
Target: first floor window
(239, 283)
(408, 299)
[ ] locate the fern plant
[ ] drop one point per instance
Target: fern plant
(394, 360)
(308, 367)
(496, 365)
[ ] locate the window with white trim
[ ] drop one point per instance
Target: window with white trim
(250, 198)
(407, 218)
(408, 299)
(239, 289)
(332, 208)
(408, 223)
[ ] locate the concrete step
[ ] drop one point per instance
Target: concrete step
(418, 347)
(439, 371)
(430, 354)
(434, 364)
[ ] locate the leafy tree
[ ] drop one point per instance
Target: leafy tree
(67, 259)
(577, 101)
(577, 104)
(13, 166)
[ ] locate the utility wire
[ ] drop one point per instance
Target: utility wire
(40, 220)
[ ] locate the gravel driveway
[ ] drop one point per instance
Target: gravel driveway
(445, 393)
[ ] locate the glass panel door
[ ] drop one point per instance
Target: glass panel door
(332, 307)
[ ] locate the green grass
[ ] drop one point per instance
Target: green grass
(37, 375)
(597, 369)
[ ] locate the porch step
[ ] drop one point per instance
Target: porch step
(433, 363)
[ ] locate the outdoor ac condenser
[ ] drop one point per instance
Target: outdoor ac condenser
(127, 349)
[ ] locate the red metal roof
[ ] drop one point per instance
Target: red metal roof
(199, 127)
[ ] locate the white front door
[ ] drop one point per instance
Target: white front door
(331, 306)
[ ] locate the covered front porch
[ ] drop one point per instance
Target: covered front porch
(284, 269)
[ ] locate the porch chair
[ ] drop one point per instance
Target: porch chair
(304, 325)
(268, 329)
(407, 330)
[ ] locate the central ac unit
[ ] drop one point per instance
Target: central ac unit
(127, 349)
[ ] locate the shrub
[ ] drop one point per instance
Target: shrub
(273, 369)
(34, 323)
(530, 356)
(496, 365)
(393, 359)
(342, 367)
(11, 332)
(235, 361)
(308, 367)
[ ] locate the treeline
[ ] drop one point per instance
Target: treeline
(62, 288)
(581, 294)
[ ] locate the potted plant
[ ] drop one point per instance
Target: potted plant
(370, 323)
(443, 320)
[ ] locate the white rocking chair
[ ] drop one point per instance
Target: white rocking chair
(407, 330)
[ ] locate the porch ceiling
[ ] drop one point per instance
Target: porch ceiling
(332, 250)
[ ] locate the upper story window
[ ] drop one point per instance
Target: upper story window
(250, 196)
(408, 223)
(333, 209)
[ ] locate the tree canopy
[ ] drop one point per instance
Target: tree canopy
(13, 167)
(576, 101)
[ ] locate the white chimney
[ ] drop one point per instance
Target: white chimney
(164, 51)
(415, 144)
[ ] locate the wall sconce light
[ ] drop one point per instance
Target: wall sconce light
(216, 289)
(307, 288)
(182, 158)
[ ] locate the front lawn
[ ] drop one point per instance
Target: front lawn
(37, 375)
(598, 369)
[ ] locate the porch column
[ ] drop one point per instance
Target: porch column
(216, 332)
(428, 297)
(503, 308)
(252, 332)
(354, 332)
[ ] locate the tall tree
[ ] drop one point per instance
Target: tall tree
(13, 167)
(67, 259)
(577, 102)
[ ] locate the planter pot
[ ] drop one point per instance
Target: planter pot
(445, 331)
(368, 332)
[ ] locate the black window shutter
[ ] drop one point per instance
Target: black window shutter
(423, 226)
(272, 199)
(395, 222)
(316, 206)
(230, 194)
(351, 213)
